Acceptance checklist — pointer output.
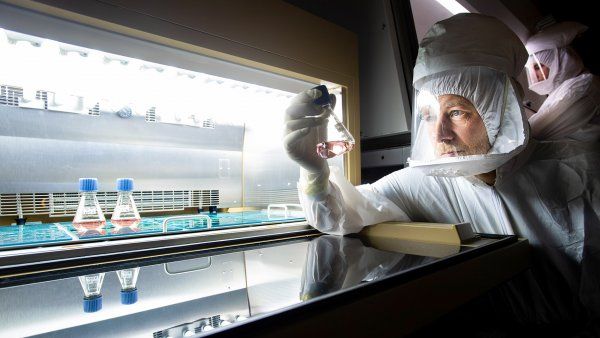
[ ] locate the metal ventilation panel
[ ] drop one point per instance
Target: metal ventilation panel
(257, 198)
(65, 204)
(25, 204)
(151, 115)
(208, 123)
(9, 95)
(95, 110)
(42, 95)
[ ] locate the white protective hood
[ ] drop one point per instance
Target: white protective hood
(550, 48)
(476, 57)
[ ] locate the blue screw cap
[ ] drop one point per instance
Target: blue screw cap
(324, 99)
(92, 304)
(88, 184)
(129, 297)
(125, 184)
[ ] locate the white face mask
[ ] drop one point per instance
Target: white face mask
(466, 122)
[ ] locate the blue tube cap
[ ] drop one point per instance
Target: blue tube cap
(92, 304)
(324, 99)
(125, 184)
(129, 297)
(88, 184)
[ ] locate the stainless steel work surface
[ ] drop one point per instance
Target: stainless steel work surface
(221, 290)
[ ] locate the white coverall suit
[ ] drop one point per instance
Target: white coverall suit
(548, 192)
(572, 108)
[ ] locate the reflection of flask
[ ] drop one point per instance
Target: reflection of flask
(89, 215)
(128, 279)
(87, 233)
(339, 140)
(126, 213)
(92, 285)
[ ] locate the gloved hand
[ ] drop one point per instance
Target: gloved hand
(305, 126)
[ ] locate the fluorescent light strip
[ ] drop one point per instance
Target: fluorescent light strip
(453, 6)
(75, 75)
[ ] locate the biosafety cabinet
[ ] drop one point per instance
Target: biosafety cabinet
(185, 97)
(188, 99)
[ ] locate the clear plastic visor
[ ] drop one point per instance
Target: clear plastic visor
(539, 67)
(465, 122)
(447, 126)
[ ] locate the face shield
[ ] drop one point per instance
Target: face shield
(547, 69)
(466, 122)
(541, 69)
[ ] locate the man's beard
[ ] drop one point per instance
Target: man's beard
(452, 150)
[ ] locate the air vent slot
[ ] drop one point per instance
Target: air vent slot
(42, 95)
(208, 123)
(151, 115)
(9, 95)
(95, 110)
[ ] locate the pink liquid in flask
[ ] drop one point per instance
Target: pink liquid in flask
(338, 139)
(332, 149)
(126, 223)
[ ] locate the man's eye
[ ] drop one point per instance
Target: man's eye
(456, 113)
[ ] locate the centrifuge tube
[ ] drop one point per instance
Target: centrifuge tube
(339, 140)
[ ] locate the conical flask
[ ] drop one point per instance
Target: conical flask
(92, 296)
(128, 279)
(89, 215)
(337, 140)
(125, 214)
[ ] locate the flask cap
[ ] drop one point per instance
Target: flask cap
(324, 99)
(92, 304)
(129, 297)
(125, 184)
(88, 184)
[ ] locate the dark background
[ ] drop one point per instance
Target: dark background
(585, 13)
(348, 13)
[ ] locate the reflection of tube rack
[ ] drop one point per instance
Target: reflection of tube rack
(285, 208)
(189, 217)
(199, 326)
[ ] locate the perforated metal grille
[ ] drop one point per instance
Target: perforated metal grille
(9, 95)
(215, 321)
(205, 197)
(42, 95)
(26, 204)
(208, 123)
(65, 204)
(159, 334)
(264, 197)
(151, 115)
(95, 110)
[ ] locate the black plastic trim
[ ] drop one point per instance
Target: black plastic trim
(384, 142)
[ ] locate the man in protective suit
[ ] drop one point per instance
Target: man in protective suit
(572, 108)
(472, 160)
